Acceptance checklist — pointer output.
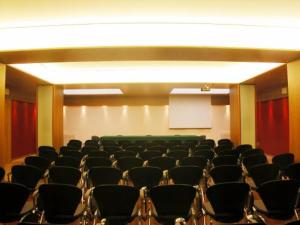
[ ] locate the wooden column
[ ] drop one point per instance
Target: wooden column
(50, 115)
(3, 134)
(293, 70)
(242, 114)
(57, 122)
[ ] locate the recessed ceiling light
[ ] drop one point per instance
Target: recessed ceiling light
(146, 71)
(199, 91)
(147, 34)
(106, 91)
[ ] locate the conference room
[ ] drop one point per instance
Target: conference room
(179, 79)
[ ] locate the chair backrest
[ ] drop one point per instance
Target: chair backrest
(231, 152)
(67, 161)
(75, 143)
(251, 152)
(283, 160)
(145, 176)
(208, 154)
(228, 199)
(74, 154)
(159, 148)
(48, 152)
(102, 154)
(194, 161)
(13, 197)
(2, 173)
(164, 163)
(59, 201)
(172, 201)
(201, 147)
(104, 175)
(210, 142)
(242, 148)
(91, 162)
(146, 155)
(178, 154)
(39, 162)
(254, 160)
(91, 143)
(125, 198)
(181, 147)
(64, 175)
(136, 149)
(89, 149)
(293, 171)
(279, 196)
(264, 172)
(127, 163)
(190, 175)
(26, 175)
(225, 160)
(120, 154)
(111, 149)
(226, 142)
(226, 173)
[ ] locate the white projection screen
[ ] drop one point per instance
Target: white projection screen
(190, 111)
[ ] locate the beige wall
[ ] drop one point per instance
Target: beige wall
(44, 100)
(81, 122)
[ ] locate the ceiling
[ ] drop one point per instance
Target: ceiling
(65, 32)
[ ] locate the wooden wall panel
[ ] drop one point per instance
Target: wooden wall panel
(7, 154)
(57, 117)
(294, 107)
(3, 134)
(235, 114)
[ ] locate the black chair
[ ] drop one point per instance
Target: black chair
(127, 163)
(207, 154)
(67, 161)
(164, 163)
(86, 150)
(229, 152)
(64, 149)
(74, 154)
(120, 154)
(103, 175)
(124, 143)
(293, 171)
(61, 203)
(111, 149)
(283, 161)
(91, 143)
(162, 149)
(190, 175)
(2, 173)
(75, 143)
(181, 147)
(102, 154)
(254, 160)
(219, 150)
(194, 161)
(48, 152)
(146, 155)
(115, 214)
(39, 162)
(226, 202)
(178, 154)
(26, 175)
(64, 175)
(91, 162)
(172, 201)
(225, 160)
(107, 143)
(145, 176)
(242, 148)
(13, 197)
(210, 142)
(262, 173)
(226, 173)
(278, 197)
(191, 143)
(225, 142)
(201, 148)
(136, 149)
(251, 152)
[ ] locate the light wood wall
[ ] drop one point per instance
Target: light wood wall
(235, 114)
(294, 107)
(3, 133)
(57, 117)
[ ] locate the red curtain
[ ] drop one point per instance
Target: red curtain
(24, 125)
(272, 128)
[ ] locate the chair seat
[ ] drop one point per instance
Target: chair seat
(221, 217)
(273, 214)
